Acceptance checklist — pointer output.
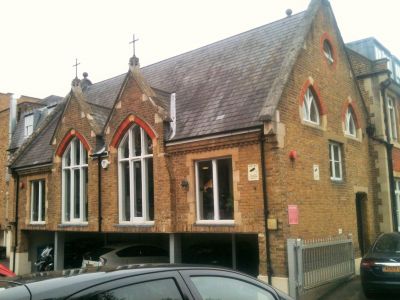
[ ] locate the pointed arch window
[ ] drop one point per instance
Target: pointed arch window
(310, 108)
(349, 123)
(136, 184)
(74, 183)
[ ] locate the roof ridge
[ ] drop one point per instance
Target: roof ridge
(222, 40)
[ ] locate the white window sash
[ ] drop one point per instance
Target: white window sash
(336, 161)
(199, 200)
(41, 201)
(143, 158)
(81, 168)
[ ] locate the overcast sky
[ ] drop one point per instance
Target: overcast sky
(40, 39)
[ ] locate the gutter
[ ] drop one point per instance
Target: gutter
(16, 221)
(265, 200)
(389, 148)
(99, 155)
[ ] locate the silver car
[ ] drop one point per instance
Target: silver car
(125, 254)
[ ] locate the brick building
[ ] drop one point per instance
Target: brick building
(378, 74)
(222, 145)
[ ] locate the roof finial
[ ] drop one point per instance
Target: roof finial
(134, 61)
(289, 12)
(76, 81)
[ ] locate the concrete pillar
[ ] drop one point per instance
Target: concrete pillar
(59, 239)
(175, 250)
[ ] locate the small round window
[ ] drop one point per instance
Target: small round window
(328, 51)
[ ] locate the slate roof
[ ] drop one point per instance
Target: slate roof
(221, 87)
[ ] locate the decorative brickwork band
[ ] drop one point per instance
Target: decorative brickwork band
(126, 124)
(67, 139)
(317, 95)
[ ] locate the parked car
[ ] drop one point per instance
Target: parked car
(380, 267)
(151, 283)
(116, 255)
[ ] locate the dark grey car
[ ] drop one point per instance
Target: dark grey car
(172, 282)
(380, 267)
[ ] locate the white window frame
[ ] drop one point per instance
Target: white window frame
(350, 123)
(144, 158)
(310, 101)
(335, 160)
(28, 122)
(328, 51)
(397, 194)
(216, 219)
(82, 168)
(379, 53)
(392, 118)
(41, 201)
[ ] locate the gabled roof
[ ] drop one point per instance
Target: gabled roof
(223, 86)
(229, 85)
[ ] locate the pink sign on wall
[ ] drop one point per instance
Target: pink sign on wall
(293, 213)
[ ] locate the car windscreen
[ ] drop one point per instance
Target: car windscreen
(96, 253)
(388, 243)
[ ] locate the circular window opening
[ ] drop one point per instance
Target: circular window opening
(328, 51)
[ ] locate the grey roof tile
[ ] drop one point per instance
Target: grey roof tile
(231, 77)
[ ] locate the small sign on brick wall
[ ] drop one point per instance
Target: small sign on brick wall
(316, 172)
(252, 172)
(293, 214)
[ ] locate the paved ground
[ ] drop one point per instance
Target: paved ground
(352, 290)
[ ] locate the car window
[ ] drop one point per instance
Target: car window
(96, 253)
(141, 251)
(164, 289)
(223, 288)
(388, 243)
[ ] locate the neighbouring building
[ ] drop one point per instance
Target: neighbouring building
(378, 74)
(242, 144)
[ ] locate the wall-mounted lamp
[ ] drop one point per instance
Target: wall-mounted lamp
(185, 184)
(21, 185)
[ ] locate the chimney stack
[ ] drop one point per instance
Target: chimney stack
(13, 114)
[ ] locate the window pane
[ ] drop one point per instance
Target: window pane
(125, 147)
(313, 112)
(76, 200)
(225, 189)
(206, 190)
(68, 158)
(209, 287)
(85, 198)
(35, 201)
(67, 193)
(76, 145)
(43, 201)
(137, 168)
(151, 290)
(150, 188)
(137, 141)
(335, 152)
(149, 145)
(84, 158)
(126, 198)
(337, 170)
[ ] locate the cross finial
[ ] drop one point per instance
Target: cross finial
(76, 67)
(133, 42)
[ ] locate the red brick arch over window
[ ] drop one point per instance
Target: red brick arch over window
(126, 124)
(67, 139)
(353, 106)
(314, 88)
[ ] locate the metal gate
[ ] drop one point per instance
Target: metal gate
(313, 263)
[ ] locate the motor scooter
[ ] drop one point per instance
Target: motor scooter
(45, 262)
